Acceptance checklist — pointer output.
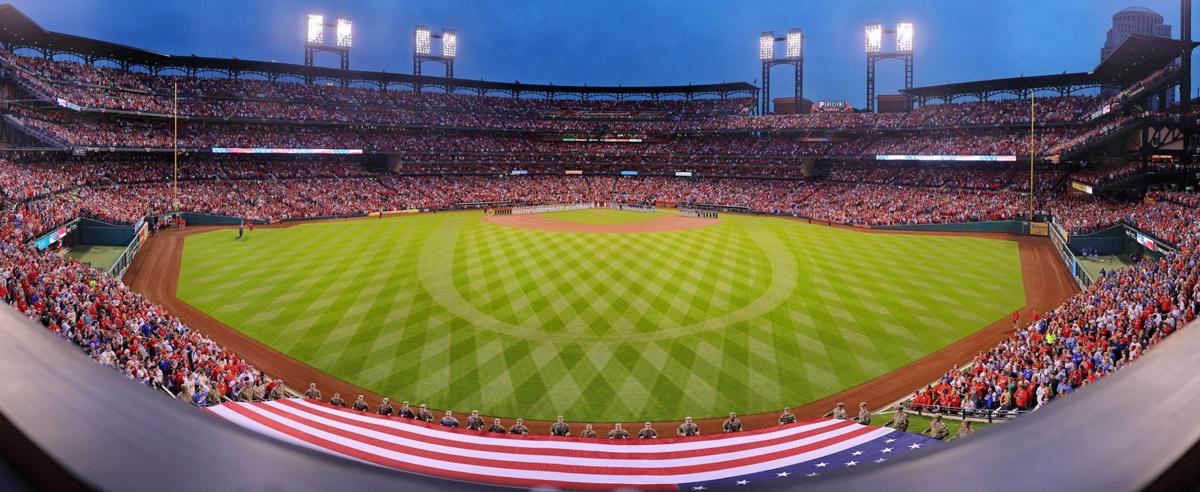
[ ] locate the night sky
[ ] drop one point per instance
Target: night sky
(629, 42)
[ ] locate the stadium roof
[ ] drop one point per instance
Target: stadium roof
(19, 31)
(1137, 57)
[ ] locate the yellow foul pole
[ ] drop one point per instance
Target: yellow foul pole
(175, 147)
(1031, 153)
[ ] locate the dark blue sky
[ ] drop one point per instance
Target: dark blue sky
(630, 42)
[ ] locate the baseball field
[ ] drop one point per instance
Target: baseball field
(600, 314)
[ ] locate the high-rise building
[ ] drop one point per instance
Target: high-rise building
(1133, 20)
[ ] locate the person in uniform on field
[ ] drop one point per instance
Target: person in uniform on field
(588, 432)
(518, 428)
(475, 422)
(241, 229)
(787, 417)
(424, 415)
(618, 433)
(937, 429)
(560, 428)
(647, 432)
(385, 408)
(839, 411)
(337, 400)
(312, 392)
(497, 427)
(732, 424)
(406, 411)
(965, 430)
(360, 404)
(448, 420)
(899, 419)
(864, 415)
(688, 428)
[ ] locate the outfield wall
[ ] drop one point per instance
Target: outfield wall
(93, 231)
(1004, 226)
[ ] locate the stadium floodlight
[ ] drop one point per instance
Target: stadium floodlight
(449, 43)
(316, 28)
(795, 43)
(904, 37)
(874, 34)
(344, 33)
(422, 40)
(766, 45)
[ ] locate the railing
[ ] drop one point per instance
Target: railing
(118, 267)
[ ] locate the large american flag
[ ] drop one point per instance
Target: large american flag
(800, 451)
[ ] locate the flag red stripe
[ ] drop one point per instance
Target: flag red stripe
(568, 452)
(565, 468)
(427, 470)
(662, 440)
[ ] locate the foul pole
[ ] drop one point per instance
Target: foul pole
(1031, 153)
(175, 147)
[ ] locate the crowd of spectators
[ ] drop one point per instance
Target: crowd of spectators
(223, 99)
(1094, 333)
(118, 327)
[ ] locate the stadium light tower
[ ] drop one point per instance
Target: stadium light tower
(793, 55)
(873, 44)
(423, 49)
(314, 40)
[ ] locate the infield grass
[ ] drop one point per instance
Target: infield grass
(747, 315)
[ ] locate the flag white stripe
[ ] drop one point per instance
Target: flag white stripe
(224, 412)
(565, 460)
(699, 444)
(536, 475)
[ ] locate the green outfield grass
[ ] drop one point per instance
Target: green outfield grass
(97, 255)
(747, 315)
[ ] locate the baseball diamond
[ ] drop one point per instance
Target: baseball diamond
(745, 312)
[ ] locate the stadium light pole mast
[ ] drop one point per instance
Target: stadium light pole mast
(314, 40)
(793, 55)
(873, 35)
(423, 49)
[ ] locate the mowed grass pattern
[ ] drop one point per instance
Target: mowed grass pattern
(747, 315)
